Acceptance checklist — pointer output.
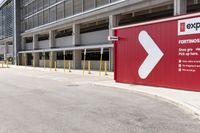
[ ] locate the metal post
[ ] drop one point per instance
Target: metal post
(50, 61)
(33, 60)
(84, 62)
(69, 66)
(7, 63)
(18, 59)
(64, 61)
(105, 68)
(55, 65)
(25, 59)
(89, 69)
(101, 58)
(44, 59)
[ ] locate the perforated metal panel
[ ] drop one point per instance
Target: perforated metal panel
(6, 20)
(52, 10)
(78, 7)
(88, 4)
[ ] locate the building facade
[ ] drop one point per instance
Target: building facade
(39, 32)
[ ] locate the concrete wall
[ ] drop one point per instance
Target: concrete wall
(41, 63)
(1, 49)
(10, 51)
(60, 64)
(64, 42)
(43, 44)
(29, 46)
(97, 37)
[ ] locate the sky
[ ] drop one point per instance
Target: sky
(1, 1)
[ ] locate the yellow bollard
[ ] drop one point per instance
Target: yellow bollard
(55, 65)
(84, 65)
(44, 61)
(69, 66)
(50, 62)
(89, 68)
(2, 64)
(7, 63)
(105, 68)
(64, 61)
(25, 59)
(100, 67)
(33, 60)
(18, 60)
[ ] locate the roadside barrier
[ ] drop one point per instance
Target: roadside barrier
(4, 64)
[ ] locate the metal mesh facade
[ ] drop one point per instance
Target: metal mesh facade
(6, 20)
(39, 12)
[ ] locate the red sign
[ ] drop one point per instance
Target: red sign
(160, 53)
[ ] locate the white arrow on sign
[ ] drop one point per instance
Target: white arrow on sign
(154, 54)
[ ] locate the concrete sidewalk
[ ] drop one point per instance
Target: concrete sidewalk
(187, 100)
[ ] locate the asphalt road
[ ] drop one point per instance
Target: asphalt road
(50, 102)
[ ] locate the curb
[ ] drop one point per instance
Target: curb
(181, 104)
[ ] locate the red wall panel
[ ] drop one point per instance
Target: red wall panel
(179, 67)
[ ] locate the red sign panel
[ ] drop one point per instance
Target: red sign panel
(160, 53)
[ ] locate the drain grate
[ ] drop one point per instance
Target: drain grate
(73, 85)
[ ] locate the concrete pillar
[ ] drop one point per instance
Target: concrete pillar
(76, 34)
(23, 43)
(36, 56)
(52, 55)
(111, 56)
(76, 41)
(5, 50)
(77, 59)
(52, 58)
(113, 22)
(51, 39)
(17, 29)
(180, 7)
(35, 42)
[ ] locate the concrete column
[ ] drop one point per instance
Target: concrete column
(36, 56)
(5, 50)
(76, 34)
(52, 55)
(77, 59)
(23, 43)
(17, 29)
(51, 39)
(52, 58)
(111, 56)
(180, 7)
(113, 22)
(76, 41)
(35, 42)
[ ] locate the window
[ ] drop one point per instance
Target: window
(101, 2)
(35, 21)
(68, 8)
(46, 3)
(88, 4)
(60, 11)
(40, 18)
(53, 14)
(77, 6)
(46, 16)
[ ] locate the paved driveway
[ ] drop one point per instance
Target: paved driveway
(33, 101)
